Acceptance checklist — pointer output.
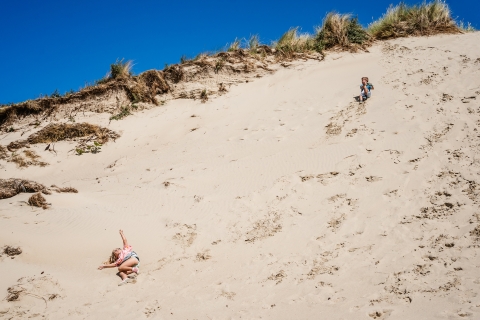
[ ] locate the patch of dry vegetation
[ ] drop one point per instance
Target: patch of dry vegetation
(12, 187)
(64, 131)
(37, 200)
(31, 159)
(341, 31)
(3, 153)
(418, 20)
(12, 251)
(55, 132)
(65, 190)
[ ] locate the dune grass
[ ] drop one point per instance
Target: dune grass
(417, 20)
(292, 42)
(342, 31)
(466, 27)
(121, 69)
(235, 45)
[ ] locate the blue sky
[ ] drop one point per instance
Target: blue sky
(48, 45)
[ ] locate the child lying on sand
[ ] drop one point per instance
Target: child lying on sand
(125, 259)
(365, 89)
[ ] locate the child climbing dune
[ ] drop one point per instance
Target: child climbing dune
(365, 89)
(125, 259)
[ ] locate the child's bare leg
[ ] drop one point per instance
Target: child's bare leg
(122, 275)
(126, 267)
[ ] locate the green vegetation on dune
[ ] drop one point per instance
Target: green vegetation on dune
(417, 20)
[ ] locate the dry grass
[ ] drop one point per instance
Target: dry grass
(174, 73)
(341, 31)
(30, 160)
(64, 190)
(148, 85)
(12, 251)
(15, 145)
(235, 45)
(55, 132)
(3, 153)
(12, 187)
(121, 69)
(204, 96)
(142, 88)
(37, 200)
(292, 42)
(418, 20)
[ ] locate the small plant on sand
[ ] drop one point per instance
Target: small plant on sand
(204, 96)
(253, 43)
(340, 30)
(418, 20)
(466, 27)
(124, 112)
(183, 59)
(219, 64)
(55, 94)
(12, 251)
(37, 200)
(89, 148)
(121, 69)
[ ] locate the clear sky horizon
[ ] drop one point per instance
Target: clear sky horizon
(49, 45)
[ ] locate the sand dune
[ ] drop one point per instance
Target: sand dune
(289, 200)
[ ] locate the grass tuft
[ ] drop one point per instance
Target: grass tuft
(204, 96)
(342, 31)
(253, 43)
(124, 112)
(417, 20)
(37, 200)
(466, 27)
(292, 42)
(234, 46)
(121, 69)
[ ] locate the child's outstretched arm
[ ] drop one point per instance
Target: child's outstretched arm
(111, 265)
(125, 242)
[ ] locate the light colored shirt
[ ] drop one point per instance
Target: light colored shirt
(126, 250)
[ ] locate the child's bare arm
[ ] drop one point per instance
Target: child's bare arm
(111, 265)
(125, 242)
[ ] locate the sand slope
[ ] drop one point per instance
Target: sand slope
(288, 201)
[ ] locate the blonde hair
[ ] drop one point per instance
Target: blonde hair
(113, 257)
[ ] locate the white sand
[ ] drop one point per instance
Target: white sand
(238, 233)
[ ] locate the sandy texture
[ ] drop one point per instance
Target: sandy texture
(281, 199)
